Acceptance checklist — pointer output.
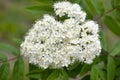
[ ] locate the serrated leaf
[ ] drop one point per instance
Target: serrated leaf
(110, 68)
(9, 48)
(112, 25)
(3, 57)
(4, 71)
(115, 49)
(42, 9)
(94, 73)
(98, 5)
(103, 40)
(18, 70)
(53, 75)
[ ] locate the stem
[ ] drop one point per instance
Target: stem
(81, 77)
(107, 12)
(11, 59)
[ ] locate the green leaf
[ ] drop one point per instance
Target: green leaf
(74, 65)
(45, 1)
(115, 49)
(112, 25)
(103, 40)
(90, 6)
(117, 72)
(63, 75)
(94, 73)
(34, 76)
(85, 69)
(42, 9)
(110, 68)
(102, 74)
(98, 73)
(35, 73)
(75, 1)
(98, 5)
(9, 48)
(3, 57)
(115, 3)
(53, 75)
(18, 71)
(117, 14)
(85, 8)
(4, 71)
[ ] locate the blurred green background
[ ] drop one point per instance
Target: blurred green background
(14, 19)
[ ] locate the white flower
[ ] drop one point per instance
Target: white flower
(55, 44)
(72, 10)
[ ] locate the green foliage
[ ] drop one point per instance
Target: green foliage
(4, 71)
(115, 49)
(63, 75)
(98, 5)
(45, 1)
(86, 9)
(9, 48)
(110, 68)
(18, 71)
(74, 65)
(3, 57)
(116, 3)
(53, 75)
(36, 74)
(90, 6)
(97, 73)
(103, 40)
(112, 24)
(41, 9)
(94, 73)
(85, 68)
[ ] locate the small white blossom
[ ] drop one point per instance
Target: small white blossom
(72, 10)
(55, 44)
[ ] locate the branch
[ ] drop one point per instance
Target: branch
(11, 59)
(81, 77)
(107, 12)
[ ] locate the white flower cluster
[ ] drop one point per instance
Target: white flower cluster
(55, 44)
(72, 11)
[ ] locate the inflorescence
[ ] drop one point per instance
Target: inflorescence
(56, 44)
